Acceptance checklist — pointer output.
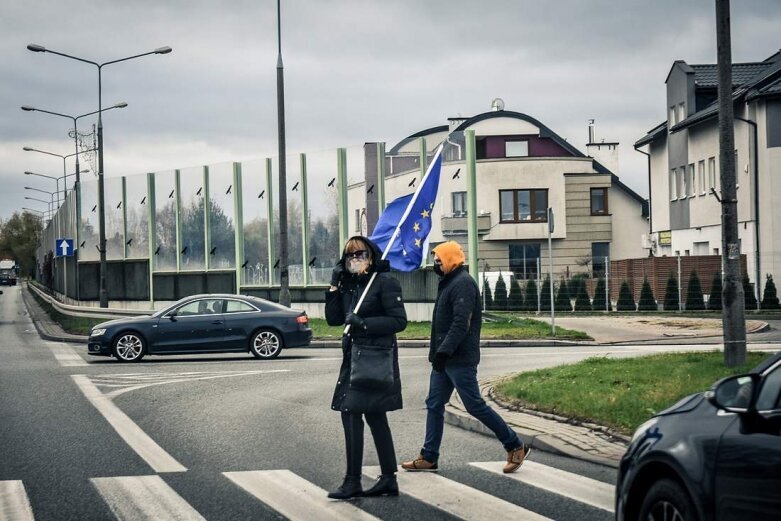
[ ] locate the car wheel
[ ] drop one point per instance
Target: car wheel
(129, 347)
(667, 501)
(265, 344)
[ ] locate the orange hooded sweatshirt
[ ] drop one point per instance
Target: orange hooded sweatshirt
(451, 255)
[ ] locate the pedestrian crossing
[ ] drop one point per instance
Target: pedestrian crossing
(293, 497)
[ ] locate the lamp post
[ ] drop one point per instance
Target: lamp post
(47, 203)
(284, 275)
(101, 194)
(63, 157)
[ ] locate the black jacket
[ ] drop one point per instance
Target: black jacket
(455, 329)
(383, 311)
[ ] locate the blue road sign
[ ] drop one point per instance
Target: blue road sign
(63, 247)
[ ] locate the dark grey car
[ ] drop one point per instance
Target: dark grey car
(204, 324)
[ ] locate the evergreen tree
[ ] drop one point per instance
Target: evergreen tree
(694, 300)
(769, 296)
(515, 300)
(530, 296)
(563, 302)
(714, 300)
(582, 303)
(625, 300)
(671, 294)
(500, 294)
(600, 297)
(748, 294)
(487, 298)
(545, 295)
(647, 300)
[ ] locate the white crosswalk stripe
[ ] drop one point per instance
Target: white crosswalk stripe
(65, 355)
(144, 498)
(567, 484)
(294, 497)
(457, 499)
(14, 505)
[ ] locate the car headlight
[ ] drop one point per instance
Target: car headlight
(643, 429)
(98, 332)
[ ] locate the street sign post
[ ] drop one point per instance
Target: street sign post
(550, 270)
(63, 247)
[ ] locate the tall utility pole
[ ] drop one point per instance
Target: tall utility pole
(733, 318)
(284, 276)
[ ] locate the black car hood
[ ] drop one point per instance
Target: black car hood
(683, 405)
(118, 321)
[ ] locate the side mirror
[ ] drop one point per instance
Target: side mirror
(172, 316)
(735, 393)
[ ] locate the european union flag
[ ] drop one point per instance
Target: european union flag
(403, 227)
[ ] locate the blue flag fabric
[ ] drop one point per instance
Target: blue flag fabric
(412, 214)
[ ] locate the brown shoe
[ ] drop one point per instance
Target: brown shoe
(419, 464)
(515, 459)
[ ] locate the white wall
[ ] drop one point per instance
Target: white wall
(628, 225)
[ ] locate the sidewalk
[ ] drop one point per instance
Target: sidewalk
(47, 328)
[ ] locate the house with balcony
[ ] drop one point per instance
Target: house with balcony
(522, 168)
(683, 159)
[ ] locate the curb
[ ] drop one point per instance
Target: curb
(40, 325)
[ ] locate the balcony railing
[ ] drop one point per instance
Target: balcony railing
(457, 224)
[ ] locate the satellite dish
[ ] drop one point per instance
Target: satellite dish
(497, 104)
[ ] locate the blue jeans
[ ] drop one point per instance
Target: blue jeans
(462, 378)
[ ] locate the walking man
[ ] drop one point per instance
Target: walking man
(454, 355)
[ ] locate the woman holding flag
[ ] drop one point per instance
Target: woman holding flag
(365, 298)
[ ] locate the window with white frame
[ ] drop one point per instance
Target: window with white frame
(516, 149)
(690, 181)
(672, 116)
(459, 204)
(701, 175)
(737, 171)
(681, 112)
(712, 172)
(357, 220)
(673, 184)
(681, 190)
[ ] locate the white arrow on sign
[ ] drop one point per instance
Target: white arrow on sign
(64, 246)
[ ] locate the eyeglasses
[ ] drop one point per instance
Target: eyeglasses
(358, 254)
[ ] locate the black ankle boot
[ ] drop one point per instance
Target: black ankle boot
(351, 488)
(386, 485)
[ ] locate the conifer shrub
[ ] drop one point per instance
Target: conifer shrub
(500, 294)
(563, 302)
(647, 301)
(515, 299)
(487, 297)
(671, 294)
(748, 294)
(769, 296)
(545, 302)
(600, 302)
(714, 299)
(582, 302)
(694, 299)
(530, 296)
(625, 300)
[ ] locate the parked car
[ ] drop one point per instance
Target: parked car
(713, 455)
(204, 324)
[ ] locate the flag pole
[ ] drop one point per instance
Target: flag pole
(397, 231)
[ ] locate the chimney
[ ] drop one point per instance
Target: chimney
(604, 152)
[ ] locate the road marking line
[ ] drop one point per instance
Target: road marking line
(174, 378)
(144, 497)
(14, 503)
(456, 498)
(65, 355)
(294, 497)
(568, 484)
(138, 440)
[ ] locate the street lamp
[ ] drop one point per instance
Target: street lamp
(101, 195)
(63, 157)
(47, 203)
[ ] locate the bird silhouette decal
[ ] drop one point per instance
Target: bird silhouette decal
(245, 264)
(295, 187)
(184, 250)
(129, 241)
(370, 190)
(228, 190)
(199, 191)
(171, 195)
(82, 244)
(143, 201)
(455, 176)
(276, 264)
(119, 205)
(412, 183)
(157, 251)
(261, 194)
(331, 183)
(94, 208)
(211, 252)
(312, 262)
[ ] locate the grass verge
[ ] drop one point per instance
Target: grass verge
(619, 393)
(73, 325)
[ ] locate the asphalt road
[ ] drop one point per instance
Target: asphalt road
(228, 438)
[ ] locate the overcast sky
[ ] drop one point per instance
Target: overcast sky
(355, 71)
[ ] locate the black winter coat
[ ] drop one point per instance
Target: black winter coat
(458, 317)
(383, 311)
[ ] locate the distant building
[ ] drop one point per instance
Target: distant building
(684, 164)
(522, 168)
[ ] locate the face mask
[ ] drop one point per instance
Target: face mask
(438, 270)
(358, 266)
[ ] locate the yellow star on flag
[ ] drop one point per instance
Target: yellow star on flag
(425, 214)
(417, 243)
(416, 227)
